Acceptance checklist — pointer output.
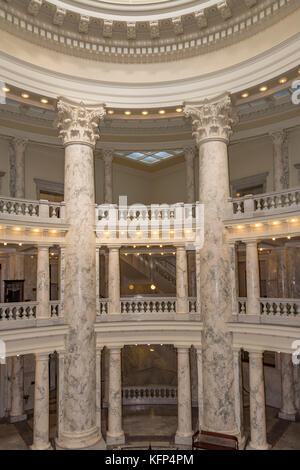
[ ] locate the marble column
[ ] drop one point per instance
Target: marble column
(78, 128)
(280, 161)
(198, 280)
(115, 434)
(60, 393)
(288, 410)
(98, 388)
(258, 429)
(234, 274)
(184, 431)
(19, 266)
(200, 387)
(189, 155)
(98, 281)
(19, 147)
(212, 121)
(43, 282)
(107, 156)
(252, 274)
(238, 394)
(181, 280)
(17, 390)
(114, 306)
(41, 403)
(62, 279)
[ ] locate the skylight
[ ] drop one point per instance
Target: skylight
(150, 157)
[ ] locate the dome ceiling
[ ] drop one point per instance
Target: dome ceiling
(140, 31)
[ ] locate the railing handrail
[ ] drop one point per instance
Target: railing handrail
(263, 195)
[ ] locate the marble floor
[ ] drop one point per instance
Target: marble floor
(155, 426)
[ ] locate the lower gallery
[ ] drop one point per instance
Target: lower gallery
(149, 225)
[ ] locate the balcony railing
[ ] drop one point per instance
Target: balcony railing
(265, 204)
(43, 209)
(272, 310)
(146, 305)
(149, 395)
(24, 311)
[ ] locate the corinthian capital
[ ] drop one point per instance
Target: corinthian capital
(212, 118)
(107, 155)
(19, 144)
(278, 137)
(78, 123)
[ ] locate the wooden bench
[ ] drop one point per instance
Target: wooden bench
(206, 440)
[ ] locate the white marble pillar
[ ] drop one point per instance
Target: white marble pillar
(252, 274)
(115, 434)
(212, 120)
(41, 403)
(280, 161)
(78, 128)
(288, 410)
(98, 281)
(17, 390)
(98, 388)
(258, 431)
(189, 156)
(19, 147)
(200, 386)
(184, 431)
(234, 274)
(198, 280)
(43, 282)
(108, 155)
(60, 393)
(114, 306)
(19, 266)
(181, 280)
(238, 394)
(62, 279)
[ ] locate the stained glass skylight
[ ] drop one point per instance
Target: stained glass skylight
(149, 157)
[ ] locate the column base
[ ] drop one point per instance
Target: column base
(17, 419)
(78, 440)
(185, 440)
(288, 416)
(242, 442)
(251, 446)
(41, 447)
(115, 439)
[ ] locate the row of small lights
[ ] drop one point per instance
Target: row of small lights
(144, 112)
(264, 88)
(259, 224)
(24, 95)
(35, 230)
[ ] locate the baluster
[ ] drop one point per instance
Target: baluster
(272, 202)
(26, 209)
(4, 210)
(284, 309)
(34, 211)
(18, 208)
(293, 199)
(271, 309)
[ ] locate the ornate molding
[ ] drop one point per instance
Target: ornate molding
(132, 41)
(212, 119)
(78, 123)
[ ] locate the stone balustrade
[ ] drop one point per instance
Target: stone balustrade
(10, 312)
(149, 395)
(146, 305)
(55, 308)
(43, 209)
(271, 310)
(265, 204)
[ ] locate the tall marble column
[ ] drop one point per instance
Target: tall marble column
(114, 306)
(107, 156)
(238, 394)
(258, 429)
(17, 390)
(98, 281)
(62, 279)
(41, 403)
(280, 160)
(115, 434)
(184, 431)
(234, 274)
(288, 410)
(189, 155)
(98, 388)
(181, 280)
(212, 121)
(200, 386)
(43, 282)
(19, 147)
(252, 273)
(78, 128)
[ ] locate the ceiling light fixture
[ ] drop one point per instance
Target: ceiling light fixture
(145, 113)
(245, 95)
(283, 80)
(110, 111)
(128, 113)
(25, 95)
(161, 111)
(6, 89)
(179, 110)
(44, 101)
(263, 88)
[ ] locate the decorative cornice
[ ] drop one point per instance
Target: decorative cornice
(152, 40)
(78, 123)
(212, 119)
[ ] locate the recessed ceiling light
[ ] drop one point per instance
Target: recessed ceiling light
(283, 80)
(161, 111)
(110, 111)
(179, 110)
(245, 95)
(44, 101)
(25, 95)
(145, 113)
(5, 89)
(127, 113)
(263, 88)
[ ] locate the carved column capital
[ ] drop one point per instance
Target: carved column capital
(18, 144)
(78, 123)
(108, 155)
(189, 153)
(278, 137)
(212, 118)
